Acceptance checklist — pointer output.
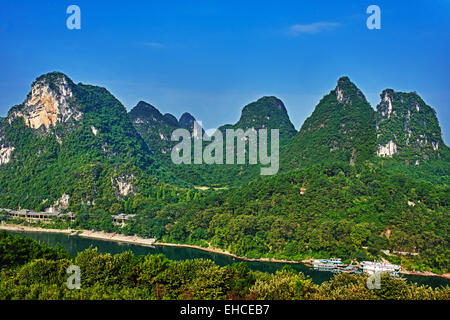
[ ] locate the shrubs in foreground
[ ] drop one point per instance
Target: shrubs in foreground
(40, 273)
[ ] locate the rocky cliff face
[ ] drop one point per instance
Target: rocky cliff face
(60, 204)
(49, 102)
(65, 139)
(387, 150)
(5, 154)
(407, 126)
(346, 92)
(123, 185)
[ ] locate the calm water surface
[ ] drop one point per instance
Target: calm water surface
(75, 244)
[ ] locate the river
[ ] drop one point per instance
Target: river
(75, 244)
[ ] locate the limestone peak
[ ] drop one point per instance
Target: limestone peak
(346, 91)
(49, 102)
(406, 125)
(186, 120)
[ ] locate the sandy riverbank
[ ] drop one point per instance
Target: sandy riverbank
(99, 235)
(18, 227)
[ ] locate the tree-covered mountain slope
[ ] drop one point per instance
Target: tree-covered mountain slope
(355, 212)
(403, 135)
(265, 113)
(341, 129)
(187, 121)
(409, 138)
(75, 124)
(74, 142)
(155, 128)
(408, 128)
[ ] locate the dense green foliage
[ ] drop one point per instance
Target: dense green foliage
(435, 171)
(71, 159)
(344, 210)
(411, 124)
(267, 113)
(17, 250)
(125, 276)
(156, 129)
(341, 129)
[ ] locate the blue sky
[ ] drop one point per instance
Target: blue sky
(213, 57)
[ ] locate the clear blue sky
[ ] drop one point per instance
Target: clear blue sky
(212, 57)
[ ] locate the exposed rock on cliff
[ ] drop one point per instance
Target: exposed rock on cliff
(60, 204)
(5, 154)
(406, 125)
(123, 185)
(388, 150)
(49, 102)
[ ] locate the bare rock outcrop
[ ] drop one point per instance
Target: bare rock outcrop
(123, 185)
(5, 154)
(49, 102)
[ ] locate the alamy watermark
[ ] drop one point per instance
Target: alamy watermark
(74, 20)
(213, 153)
(374, 281)
(374, 20)
(74, 280)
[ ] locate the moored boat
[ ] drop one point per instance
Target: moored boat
(350, 269)
(372, 267)
(327, 264)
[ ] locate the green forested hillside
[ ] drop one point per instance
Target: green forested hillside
(76, 157)
(156, 129)
(265, 113)
(341, 129)
(356, 204)
(352, 212)
(405, 120)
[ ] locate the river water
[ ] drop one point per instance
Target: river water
(75, 244)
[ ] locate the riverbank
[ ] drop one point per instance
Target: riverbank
(18, 227)
(227, 253)
(425, 274)
(100, 235)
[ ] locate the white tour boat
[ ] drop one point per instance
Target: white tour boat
(372, 267)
